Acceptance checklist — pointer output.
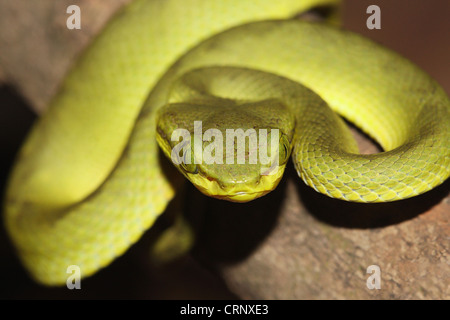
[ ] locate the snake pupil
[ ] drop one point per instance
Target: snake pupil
(283, 149)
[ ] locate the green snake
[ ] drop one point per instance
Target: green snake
(89, 181)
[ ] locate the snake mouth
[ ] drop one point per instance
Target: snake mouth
(242, 197)
(239, 192)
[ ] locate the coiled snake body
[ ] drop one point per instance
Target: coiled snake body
(88, 181)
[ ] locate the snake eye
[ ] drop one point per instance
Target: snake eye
(284, 149)
(187, 164)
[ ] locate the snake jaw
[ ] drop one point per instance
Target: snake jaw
(242, 196)
(236, 192)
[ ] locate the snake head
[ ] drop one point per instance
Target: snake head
(232, 153)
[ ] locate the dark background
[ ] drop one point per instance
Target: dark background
(418, 29)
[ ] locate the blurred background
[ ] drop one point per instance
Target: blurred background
(417, 29)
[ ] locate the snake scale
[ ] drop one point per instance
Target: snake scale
(88, 180)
